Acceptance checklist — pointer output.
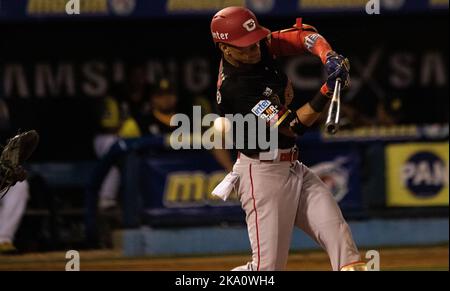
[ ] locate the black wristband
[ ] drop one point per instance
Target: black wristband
(319, 102)
(297, 126)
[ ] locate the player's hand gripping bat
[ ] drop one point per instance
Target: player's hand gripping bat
(332, 123)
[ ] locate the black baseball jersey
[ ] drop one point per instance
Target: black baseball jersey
(241, 89)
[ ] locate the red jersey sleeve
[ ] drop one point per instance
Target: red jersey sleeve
(300, 39)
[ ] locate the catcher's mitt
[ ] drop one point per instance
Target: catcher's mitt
(16, 151)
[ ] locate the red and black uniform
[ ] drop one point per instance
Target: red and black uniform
(240, 89)
(277, 192)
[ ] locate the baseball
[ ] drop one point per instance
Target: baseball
(222, 124)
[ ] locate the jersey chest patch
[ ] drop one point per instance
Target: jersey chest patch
(265, 109)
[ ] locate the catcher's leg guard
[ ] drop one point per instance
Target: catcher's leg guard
(357, 266)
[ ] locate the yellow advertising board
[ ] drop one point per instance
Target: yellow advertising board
(417, 174)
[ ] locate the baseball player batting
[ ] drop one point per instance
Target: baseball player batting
(279, 193)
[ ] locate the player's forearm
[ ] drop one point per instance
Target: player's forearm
(307, 115)
(300, 120)
(315, 44)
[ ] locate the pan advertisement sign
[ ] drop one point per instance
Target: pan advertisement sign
(417, 174)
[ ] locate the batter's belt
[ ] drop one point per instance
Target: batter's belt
(283, 155)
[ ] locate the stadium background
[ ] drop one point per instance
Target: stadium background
(56, 69)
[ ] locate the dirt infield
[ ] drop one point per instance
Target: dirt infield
(423, 258)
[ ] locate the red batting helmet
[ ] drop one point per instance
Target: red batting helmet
(237, 26)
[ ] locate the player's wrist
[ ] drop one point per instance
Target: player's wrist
(295, 124)
(327, 54)
(320, 101)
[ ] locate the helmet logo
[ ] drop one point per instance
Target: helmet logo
(249, 25)
(219, 35)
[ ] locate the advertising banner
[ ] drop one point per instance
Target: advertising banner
(176, 188)
(339, 169)
(33, 9)
(178, 185)
(417, 174)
